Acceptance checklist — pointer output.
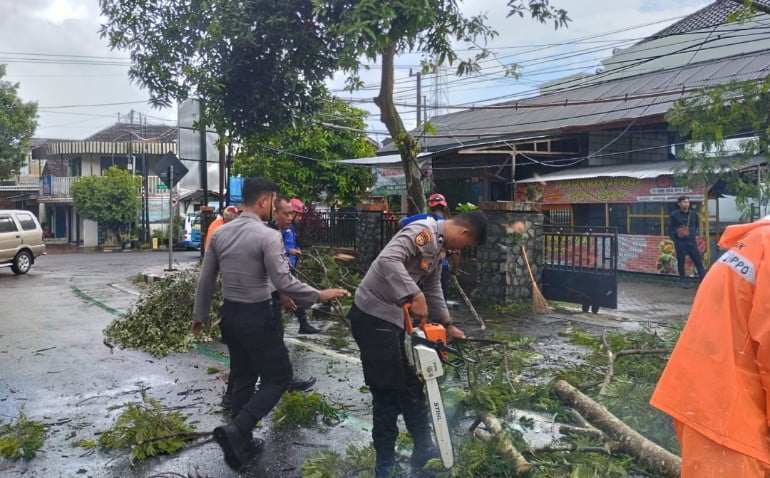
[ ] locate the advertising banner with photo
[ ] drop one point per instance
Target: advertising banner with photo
(392, 181)
(608, 190)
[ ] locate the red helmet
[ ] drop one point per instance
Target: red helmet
(230, 212)
(297, 206)
(437, 200)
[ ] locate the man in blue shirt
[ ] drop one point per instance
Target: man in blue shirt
(293, 252)
(438, 211)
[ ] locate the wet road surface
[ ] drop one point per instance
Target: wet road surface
(56, 369)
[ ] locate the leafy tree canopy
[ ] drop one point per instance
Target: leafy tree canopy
(17, 125)
(719, 113)
(258, 64)
(283, 156)
(261, 64)
(111, 200)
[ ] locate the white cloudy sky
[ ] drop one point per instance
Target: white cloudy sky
(54, 52)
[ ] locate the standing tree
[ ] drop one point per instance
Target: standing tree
(111, 200)
(711, 117)
(17, 125)
(372, 29)
(302, 160)
(260, 64)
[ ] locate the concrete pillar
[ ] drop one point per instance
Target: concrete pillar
(501, 272)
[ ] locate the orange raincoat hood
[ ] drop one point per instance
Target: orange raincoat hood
(717, 380)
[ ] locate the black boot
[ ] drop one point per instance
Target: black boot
(385, 466)
(304, 326)
(239, 447)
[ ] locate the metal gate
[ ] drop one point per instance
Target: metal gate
(580, 265)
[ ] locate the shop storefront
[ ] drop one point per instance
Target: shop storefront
(636, 203)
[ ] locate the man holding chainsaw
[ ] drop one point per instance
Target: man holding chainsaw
(406, 272)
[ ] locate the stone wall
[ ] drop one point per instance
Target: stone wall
(368, 235)
(502, 274)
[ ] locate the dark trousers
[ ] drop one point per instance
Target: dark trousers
(684, 248)
(445, 281)
(299, 313)
(255, 342)
(395, 387)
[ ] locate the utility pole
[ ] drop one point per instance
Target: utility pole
(146, 187)
(203, 160)
(221, 173)
(419, 96)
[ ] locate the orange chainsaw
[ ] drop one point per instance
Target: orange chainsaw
(426, 349)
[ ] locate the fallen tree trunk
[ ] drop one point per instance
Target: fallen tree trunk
(467, 301)
(652, 456)
(506, 447)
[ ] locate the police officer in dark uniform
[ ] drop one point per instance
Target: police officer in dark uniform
(249, 255)
(408, 270)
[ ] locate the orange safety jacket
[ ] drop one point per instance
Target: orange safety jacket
(219, 221)
(717, 380)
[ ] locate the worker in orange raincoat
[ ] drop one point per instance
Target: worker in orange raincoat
(230, 213)
(716, 385)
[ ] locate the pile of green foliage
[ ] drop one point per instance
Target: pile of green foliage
(304, 409)
(357, 462)
(141, 424)
(159, 322)
(22, 438)
(505, 374)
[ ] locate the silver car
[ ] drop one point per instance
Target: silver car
(21, 240)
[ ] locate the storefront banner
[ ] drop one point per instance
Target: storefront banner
(652, 254)
(607, 190)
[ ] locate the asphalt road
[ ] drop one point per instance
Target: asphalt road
(55, 367)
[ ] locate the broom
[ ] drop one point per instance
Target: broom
(539, 304)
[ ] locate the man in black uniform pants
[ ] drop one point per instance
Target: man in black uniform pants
(683, 229)
(411, 259)
(249, 255)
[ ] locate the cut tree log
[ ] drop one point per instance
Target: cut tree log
(506, 447)
(467, 301)
(652, 456)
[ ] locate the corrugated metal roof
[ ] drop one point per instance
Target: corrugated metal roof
(709, 16)
(630, 170)
(100, 147)
(661, 86)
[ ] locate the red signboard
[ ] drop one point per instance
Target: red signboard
(607, 190)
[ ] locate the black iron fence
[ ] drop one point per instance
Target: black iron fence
(587, 248)
(328, 228)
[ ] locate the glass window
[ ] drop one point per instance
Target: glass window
(649, 226)
(27, 222)
(619, 218)
(7, 224)
(590, 215)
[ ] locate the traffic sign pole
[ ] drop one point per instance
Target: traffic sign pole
(170, 221)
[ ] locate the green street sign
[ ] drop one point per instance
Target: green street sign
(161, 187)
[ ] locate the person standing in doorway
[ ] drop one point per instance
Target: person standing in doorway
(683, 230)
(249, 255)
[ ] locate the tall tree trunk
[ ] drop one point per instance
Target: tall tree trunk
(405, 142)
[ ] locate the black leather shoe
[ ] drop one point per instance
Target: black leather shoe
(301, 385)
(238, 447)
(226, 402)
(308, 329)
